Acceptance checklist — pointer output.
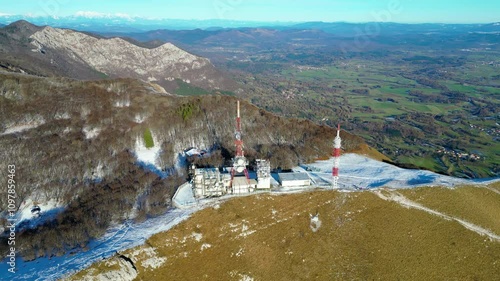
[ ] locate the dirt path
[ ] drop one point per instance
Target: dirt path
(492, 189)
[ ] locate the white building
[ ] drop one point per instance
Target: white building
(263, 174)
(243, 185)
(294, 179)
(210, 182)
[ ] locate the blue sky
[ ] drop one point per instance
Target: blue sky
(405, 11)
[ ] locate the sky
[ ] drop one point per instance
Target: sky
(403, 11)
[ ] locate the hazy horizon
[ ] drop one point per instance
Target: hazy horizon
(280, 11)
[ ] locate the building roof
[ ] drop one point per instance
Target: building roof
(206, 170)
(293, 176)
(242, 181)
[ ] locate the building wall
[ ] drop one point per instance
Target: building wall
(263, 183)
(290, 183)
(208, 182)
(242, 185)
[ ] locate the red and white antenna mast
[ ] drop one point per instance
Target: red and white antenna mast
(239, 162)
(336, 158)
(237, 134)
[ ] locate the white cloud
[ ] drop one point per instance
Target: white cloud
(4, 14)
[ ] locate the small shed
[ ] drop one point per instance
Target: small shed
(294, 179)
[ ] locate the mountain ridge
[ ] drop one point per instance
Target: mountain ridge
(52, 51)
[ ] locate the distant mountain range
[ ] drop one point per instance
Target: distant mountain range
(120, 23)
(88, 21)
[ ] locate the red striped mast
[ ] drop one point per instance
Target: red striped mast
(239, 162)
(336, 157)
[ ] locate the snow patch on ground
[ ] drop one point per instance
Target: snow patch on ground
(361, 172)
(405, 202)
(245, 231)
(122, 103)
(117, 238)
(95, 173)
(244, 277)
(147, 257)
(62, 116)
(24, 212)
(240, 252)
(147, 155)
(139, 118)
(205, 246)
(154, 262)
(90, 132)
(197, 236)
(315, 223)
(24, 219)
(126, 272)
(85, 111)
(240, 276)
(22, 127)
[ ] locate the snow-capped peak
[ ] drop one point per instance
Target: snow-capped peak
(99, 15)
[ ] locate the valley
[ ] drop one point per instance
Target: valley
(428, 99)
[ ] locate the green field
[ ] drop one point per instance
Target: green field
(409, 111)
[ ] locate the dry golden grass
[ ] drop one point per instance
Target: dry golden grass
(361, 237)
(495, 187)
(476, 204)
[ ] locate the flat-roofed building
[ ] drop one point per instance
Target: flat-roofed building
(294, 179)
(243, 185)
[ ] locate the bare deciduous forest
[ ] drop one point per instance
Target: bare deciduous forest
(73, 142)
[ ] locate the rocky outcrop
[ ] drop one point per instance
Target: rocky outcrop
(116, 57)
(119, 268)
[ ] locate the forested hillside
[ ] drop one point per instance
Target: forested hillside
(74, 142)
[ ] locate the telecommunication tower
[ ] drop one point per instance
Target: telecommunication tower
(239, 162)
(336, 158)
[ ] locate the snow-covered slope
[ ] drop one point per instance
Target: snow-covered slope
(357, 171)
(116, 239)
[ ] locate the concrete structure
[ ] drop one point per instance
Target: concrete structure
(210, 182)
(294, 179)
(184, 196)
(241, 185)
(263, 174)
